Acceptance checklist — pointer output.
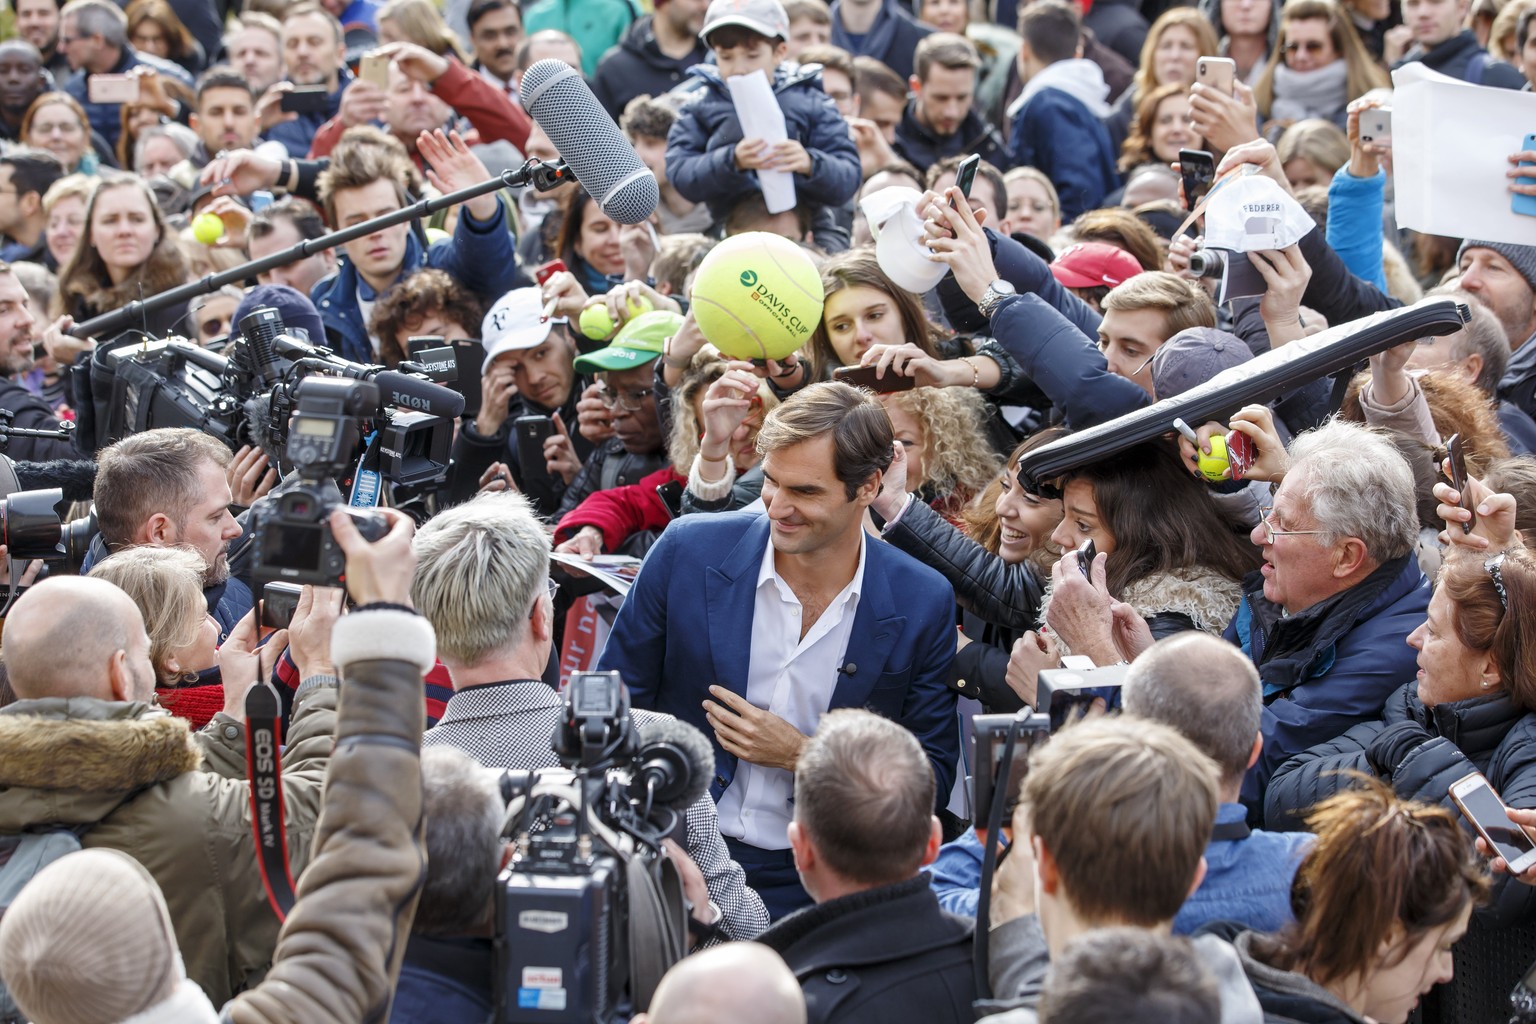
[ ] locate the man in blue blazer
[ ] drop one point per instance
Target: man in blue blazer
(753, 626)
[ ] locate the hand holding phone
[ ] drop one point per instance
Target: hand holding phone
(1197, 168)
(1218, 73)
(1482, 807)
(965, 175)
(1456, 450)
(864, 377)
(1523, 204)
(1085, 556)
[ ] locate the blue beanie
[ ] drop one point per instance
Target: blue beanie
(291, 304)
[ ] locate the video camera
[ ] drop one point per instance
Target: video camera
(589, 914)
(244, 397)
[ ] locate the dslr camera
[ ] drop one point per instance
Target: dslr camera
(291, 536)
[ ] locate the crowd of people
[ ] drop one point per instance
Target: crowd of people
(828, 582)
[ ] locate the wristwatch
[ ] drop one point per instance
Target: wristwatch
(993, 297)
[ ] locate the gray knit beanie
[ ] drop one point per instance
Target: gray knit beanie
(1521, 257)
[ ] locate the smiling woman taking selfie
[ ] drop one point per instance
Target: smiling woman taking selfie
(127, 254)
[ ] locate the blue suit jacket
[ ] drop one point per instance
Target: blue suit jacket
(687, 625)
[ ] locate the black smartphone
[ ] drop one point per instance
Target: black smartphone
(1085, 556)
(671, 495)
(1198, 169)
(305, 99)
(530, 433)
(1458, 456)
(965, 174)
(989, 738)
(278, 600)
(864, 377)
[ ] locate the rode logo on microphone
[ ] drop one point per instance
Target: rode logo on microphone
(410, 401)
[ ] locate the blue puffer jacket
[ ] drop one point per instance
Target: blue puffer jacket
(1357, 656)
(701, 148)
(1421, 751)
(479, 256)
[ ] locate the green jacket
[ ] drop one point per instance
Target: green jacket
(596, 25)
(175, 801)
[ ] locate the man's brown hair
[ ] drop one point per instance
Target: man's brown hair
(1183, 304)
(864, 794)
(149, 472)
(1125, 807)
(363, 156)
(947, 50)
(415, 297)
(861, 430)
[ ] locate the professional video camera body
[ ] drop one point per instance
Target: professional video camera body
(245, 396)
(589, 914)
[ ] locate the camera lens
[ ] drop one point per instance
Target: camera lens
(30, 525)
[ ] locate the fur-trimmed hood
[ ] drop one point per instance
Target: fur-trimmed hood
(165, 269)
(76, 760)
(1208, 598)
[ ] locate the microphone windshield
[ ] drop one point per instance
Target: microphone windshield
(679, 758)
(421, 395)
(590, 143)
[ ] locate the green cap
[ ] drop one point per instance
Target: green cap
(639, 341)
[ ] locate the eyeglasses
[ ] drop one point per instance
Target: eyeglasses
(1308, 45)
(1266, 515)
(1495, 568)
(554, 588)
(629, 400)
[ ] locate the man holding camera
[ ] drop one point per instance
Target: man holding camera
(341, 942)
(169, 487)
(483, 582)
(753, 626)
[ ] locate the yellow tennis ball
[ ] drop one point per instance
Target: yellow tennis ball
(757, 296)
(596, 323)
(207, 228)
(1214, 465)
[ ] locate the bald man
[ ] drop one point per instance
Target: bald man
(86, 749)
(743, 982)
(47, 654)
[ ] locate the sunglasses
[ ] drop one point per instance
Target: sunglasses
(1310, 46)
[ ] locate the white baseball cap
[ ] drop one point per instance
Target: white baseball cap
(765, 17)
(515, 323)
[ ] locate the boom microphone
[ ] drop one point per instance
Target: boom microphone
(590, 143)
(418, 395)
(677, 763)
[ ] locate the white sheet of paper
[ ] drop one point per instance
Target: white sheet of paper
(1450, 148)
(761, 118)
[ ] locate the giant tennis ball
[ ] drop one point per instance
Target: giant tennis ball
(207, 228)
(757, 296)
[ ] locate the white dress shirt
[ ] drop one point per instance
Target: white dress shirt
(793, 678)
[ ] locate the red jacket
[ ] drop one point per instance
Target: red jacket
(622, 512)
(490, 113)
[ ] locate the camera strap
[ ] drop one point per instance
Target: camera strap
(263, 762)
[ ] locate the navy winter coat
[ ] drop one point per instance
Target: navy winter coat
(1421, 751)
(701, 149)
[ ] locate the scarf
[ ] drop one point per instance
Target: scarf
(877, 41)
(1302, 94)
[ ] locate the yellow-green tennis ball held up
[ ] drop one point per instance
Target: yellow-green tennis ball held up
(596, 324)
(207, 228)
(757, 296)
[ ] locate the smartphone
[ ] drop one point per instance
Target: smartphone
(1241, 453)
(1198, 169)
(305, 99)
(989, 738)
(1085, 556)
(278, 600)
(374, 69)
(1458, 456)
(864, 377)
(112, 88)
(671, 495)
(1525, 204)
(530, 433)
(1219, 73)
(1487, 813)
(965, 174)
(549, 270)
(1376, 126)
